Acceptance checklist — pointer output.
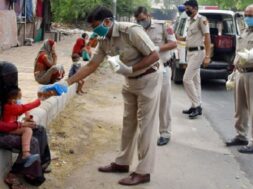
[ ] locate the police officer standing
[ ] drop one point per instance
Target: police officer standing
(141, 90)
(198, 52)
(244, 89)
(164, 39)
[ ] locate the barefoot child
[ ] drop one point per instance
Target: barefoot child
(12, 110)
(74, 68)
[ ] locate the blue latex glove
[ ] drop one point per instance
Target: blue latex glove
(60, 89)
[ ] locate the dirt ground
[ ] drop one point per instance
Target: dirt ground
(86, 127)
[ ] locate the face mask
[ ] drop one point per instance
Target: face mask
(145, 23)
(189, 13)
(18, 101)
(249, 21)
(101, 30)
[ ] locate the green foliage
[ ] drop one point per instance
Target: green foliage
(229, 5)
(72, 10)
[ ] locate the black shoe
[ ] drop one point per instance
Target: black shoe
(236, 142)
(163, 141)
(246, 150)
(188, 111)
(195, 112)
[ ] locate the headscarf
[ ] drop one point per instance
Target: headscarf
(46, 48)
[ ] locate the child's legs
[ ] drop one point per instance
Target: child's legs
(26, 135)
(80, 85)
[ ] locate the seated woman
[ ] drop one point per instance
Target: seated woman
(46, 71)
(34, 174)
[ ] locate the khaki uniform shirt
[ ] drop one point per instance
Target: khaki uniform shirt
(198, 26)
(128, 40)
(245, 41)
(159, 35)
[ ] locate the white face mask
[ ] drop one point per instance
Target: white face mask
(19, 101)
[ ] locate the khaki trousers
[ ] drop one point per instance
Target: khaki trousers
(244, 104)
(165, 104)
(191, 77)
(140, 121)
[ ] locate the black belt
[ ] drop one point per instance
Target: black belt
(154, 68)
(245, 70)
(199, 48)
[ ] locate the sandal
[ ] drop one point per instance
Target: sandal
(12, 181)
(28, 161)
(47, 170)
(18, 186)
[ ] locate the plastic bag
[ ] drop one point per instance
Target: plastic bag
(58, 88)
(230, 84)
(86, 56)
(114, 62)
(246, 56)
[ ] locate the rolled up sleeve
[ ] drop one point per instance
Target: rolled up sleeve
(98, 55)
(204, 25)
(141, 40)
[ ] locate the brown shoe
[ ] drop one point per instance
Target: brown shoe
(114, 168)
(134, 179)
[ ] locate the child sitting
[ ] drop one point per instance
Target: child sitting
(12, 110)
(74, 68)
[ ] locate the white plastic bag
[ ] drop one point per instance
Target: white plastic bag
(114, 62)
(230, 84)
(246, 56)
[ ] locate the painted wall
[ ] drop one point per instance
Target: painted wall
(3, 4)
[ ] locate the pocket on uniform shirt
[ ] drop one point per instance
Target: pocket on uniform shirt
(128, 54)
(194, 30)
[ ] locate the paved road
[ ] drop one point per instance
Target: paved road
(218, 106)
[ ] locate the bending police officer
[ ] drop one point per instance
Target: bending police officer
(141, 90)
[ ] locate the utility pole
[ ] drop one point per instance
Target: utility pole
(114, 9)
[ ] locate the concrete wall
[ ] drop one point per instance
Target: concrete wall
(8, 29)
(3, 5)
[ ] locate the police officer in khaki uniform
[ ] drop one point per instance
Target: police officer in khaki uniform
(244, 89)
(141, 90)
(198, 52)
(164, 39)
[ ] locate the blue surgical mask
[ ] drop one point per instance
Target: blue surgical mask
(19, 101)
(249, 21)
(145, 23)
(101, 30)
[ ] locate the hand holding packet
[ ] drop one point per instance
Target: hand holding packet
(230, 84)
(119, 67)
(114, 63)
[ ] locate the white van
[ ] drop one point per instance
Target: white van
(225, 27)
